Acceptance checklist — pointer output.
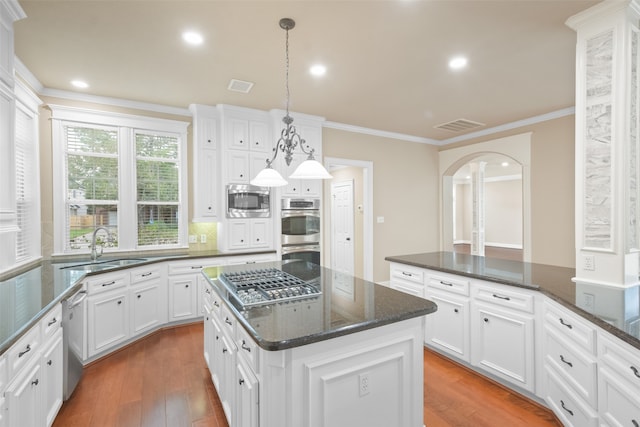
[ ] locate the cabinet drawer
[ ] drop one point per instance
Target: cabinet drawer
(408, 287)
(247, 347)
(23, 350)
(580, 332)
(620, 358)
(506, 297)
(448, 283)
(207, 296)
(191, 266)
(105, 282)
(571, 410)
(228, 320)
(143, 274)
(51, 322)
(571, 362)
(408, 273)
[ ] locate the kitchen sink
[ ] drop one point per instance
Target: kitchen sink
(103, 265)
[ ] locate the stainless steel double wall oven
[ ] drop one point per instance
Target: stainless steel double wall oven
(301, 229)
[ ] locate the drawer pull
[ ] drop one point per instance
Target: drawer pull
(635, 423)
(241, 381)
(568, 325)
(49, 362)
(26, 350)
(216, 304)
(196, 267)
(565, 408)
(635, 371)
(208, 291)
(224, 350)
(446, 283)
(54, 320)
(147, 274)
(404, 273)
(227, 321)
(109, 283)
(35, 382)
(563, 359)
(501, 297)
(245, 347)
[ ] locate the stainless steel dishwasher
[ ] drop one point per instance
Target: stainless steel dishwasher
(73, 323)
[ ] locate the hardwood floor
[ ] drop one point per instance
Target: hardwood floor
(162, 381)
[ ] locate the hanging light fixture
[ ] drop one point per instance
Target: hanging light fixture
(289, 140)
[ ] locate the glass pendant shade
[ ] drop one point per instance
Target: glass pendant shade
(310, 169)
(269, 177)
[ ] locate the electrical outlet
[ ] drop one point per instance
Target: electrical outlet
(380, 219)
(203, 238)
(364, 385)
(193, 238)
(589, 301)
(589, 262)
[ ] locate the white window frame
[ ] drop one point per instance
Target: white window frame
(127, 206)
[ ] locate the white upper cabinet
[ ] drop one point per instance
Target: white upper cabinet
(206, 184)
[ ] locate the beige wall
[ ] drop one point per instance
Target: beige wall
(552, 188)
(405, 193)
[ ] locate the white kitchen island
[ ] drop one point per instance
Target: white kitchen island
(350, 356)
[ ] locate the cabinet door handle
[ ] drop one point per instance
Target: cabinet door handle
(486, 320)
(186, 286)
(563, 323)
(501, 297)
(26, 350)
(565, 408)
(109, 283)
(635, 371)
(119, 302)
(565, 361)
(139, 296)
(455, 310)
(147, 274)
(35, 382)
(49, 362)
(245, 347)
(227, 321)
(54, 320)
(208, 291)
(442, 282)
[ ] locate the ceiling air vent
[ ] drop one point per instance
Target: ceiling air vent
(459, 125)
(239, 86)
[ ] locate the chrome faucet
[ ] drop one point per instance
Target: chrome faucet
(94, 253)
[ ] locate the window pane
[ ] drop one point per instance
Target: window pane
(91, 140)
(83, 219)
(157, 225)
(92, 178)
(157, 181)
(158, 146)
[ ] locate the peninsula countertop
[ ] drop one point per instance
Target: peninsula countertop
(616, 310)
(28, 295)
(345, 305)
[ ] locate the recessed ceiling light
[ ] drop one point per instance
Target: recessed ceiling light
(458, 63)
(192, 38)
(80, 84)
(505, 164)
(318, 70)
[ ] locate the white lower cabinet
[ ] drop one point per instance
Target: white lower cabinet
(566, 404)
(448, 328)
(182, 297)
(618, 382)
(247, 389)
(33, 394)
(108, 318)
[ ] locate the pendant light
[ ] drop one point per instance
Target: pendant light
(289, 140)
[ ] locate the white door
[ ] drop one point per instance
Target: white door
(342, 227)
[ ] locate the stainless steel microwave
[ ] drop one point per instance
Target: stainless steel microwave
(248, 201)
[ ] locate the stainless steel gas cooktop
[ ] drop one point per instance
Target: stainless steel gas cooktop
(267, 285)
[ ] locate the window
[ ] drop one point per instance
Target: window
(124, 174)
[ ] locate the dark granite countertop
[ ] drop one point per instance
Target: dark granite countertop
(347, 305)
(617, 310)
(26, 296)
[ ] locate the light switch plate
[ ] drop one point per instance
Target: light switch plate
(193, 238)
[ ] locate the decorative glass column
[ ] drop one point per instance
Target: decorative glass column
(607, 144)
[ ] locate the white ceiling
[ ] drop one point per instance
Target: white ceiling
(386, 60)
